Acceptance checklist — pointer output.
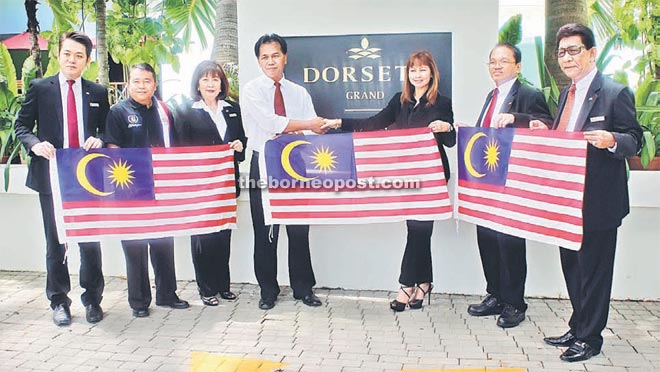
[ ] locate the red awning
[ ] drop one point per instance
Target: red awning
(22, 41)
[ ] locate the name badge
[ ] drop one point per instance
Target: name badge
(233, 115)
(596, 118)
(93, 104)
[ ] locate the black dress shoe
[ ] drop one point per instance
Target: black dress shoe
(141, 313)
(567, 339)
(266, 303)
(489, 306)
(93, 313)
(229, 295)
(176, 304)
(311, 300)
(510, 317)
(579, 351)
(61, 315)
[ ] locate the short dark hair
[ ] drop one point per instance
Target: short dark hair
(208, 68)
(270, 38)
(517, 55)
(142, 66)
(573, 29)
(80, 38)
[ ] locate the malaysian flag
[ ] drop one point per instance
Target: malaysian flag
(139, 193)
(523, 183)
(352, 178)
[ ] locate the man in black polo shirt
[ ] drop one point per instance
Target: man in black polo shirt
(143, 121)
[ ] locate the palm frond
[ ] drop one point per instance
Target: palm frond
(187, 16)
(511, 30)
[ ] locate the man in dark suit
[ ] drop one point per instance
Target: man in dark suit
(503, 256)
(605, 112)
(69, 112)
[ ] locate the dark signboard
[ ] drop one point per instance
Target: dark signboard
(355, 76)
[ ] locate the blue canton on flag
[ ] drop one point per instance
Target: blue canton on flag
(105, 175)
(304, 158)
(484, 154)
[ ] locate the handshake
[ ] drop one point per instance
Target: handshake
(317, 125)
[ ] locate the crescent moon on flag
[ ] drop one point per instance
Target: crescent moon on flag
(82, 177)
(286, 161)
(468, 153)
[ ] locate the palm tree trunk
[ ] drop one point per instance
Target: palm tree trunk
(33, 29)
(101, 43)
(557, 14)
(225, 44)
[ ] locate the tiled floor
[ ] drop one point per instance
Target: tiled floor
(352, 331)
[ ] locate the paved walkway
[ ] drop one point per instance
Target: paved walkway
(352, 331)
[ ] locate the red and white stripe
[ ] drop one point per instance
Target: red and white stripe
(194, 194)
(542, 198)
(394, 155)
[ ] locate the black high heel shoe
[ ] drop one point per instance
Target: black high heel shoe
(400, 306)
(419, 303)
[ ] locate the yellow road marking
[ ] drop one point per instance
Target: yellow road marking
(206, 362)
(467, 370)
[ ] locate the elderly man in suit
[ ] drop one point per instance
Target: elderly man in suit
(503, 256)
(605, 112)
(69, 112)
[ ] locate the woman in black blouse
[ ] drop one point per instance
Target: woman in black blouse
(418, 105)
(212, 120)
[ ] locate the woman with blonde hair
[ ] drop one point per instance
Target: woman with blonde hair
(418, 105)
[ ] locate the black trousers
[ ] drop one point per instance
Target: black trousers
(588, 274)
(58, 283)
(137, 253)
(301, 274)
(416, 266)
(210, 256)
(504, 261)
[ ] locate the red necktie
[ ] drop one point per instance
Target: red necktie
(568, 107)
(279, 100)
(72, 117)
(491, 109)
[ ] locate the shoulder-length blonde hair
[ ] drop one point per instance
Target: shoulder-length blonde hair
(424, 58)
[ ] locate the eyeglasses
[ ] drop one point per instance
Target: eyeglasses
(502, 63)
(572, 50)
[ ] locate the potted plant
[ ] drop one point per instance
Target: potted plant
(648, 115)
(11, 150)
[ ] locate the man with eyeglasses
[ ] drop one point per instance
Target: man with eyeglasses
(605, 112)
(503, 256)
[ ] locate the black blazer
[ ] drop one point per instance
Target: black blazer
(608, 106)
(43, 107)
(398, 116)
(525, 103)
(194, 127)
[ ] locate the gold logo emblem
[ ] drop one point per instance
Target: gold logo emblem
(364, 51)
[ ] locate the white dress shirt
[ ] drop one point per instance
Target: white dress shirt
(258, 109)
(581, 89)
(217, 116)
(77, 93)
(502, 91)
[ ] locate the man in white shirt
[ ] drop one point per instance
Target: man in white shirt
(273, 105)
